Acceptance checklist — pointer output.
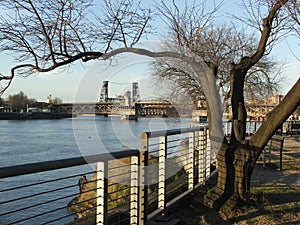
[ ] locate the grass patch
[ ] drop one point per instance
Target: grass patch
(281, 189)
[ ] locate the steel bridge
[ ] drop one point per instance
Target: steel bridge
(140, 109)
(256, 110)
(130, 104)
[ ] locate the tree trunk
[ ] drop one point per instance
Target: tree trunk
(235, 167)
(237, 158)
(236, 162)
(239, 114)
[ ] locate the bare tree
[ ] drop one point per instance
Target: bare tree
(20, 101)
(221, 45)
(246, 58)
(54, 34)
(293, 10)
(240, 154)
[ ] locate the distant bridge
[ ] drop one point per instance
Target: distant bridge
(140, 109)
(117, 106)
(144, 109)
(257, 110)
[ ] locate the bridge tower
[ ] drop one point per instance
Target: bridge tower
(104, 92)
(135, 92)
(127, 98)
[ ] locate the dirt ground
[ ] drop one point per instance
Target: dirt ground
(276, 195)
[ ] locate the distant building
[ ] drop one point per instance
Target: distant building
(135, 92)
(49, 99)
(5, 108)
(34, 110)
(273, 100)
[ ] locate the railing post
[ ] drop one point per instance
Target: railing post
(190, 161)
(143, 189)
(134, 190)
(226, 128)
(247, 129)
(202, 146)
(162, 173)
(230, 128)
(208, 153)
(102, 192)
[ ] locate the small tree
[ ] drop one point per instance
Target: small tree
(2, 102)
(20, 101)
(57, 100)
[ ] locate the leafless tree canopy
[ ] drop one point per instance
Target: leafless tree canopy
(293, 10)
(45, 35)
(222, 45)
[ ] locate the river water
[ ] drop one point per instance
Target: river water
(31, 141)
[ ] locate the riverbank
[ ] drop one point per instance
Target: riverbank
(33, 115)
(276, 195)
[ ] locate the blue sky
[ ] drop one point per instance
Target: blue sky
(83, 82)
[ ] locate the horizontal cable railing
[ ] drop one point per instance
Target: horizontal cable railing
(251, 127)
(177, 161)
(48, 193)
(127, 187)
(287, 127)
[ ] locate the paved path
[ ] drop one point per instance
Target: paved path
(287, 182)
(290, 175)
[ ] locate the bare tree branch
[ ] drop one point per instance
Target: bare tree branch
(54, 34)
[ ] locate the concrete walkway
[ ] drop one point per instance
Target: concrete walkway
(290, 175)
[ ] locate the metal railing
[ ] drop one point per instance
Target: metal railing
(128, 187)
(253, 125)
(181, 157)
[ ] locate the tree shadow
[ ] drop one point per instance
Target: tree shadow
(191, 211)
(272, 211)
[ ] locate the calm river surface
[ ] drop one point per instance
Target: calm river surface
(42, 140)
(30, 141)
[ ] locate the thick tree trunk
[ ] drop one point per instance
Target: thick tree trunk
(235, 167)
(236, 162)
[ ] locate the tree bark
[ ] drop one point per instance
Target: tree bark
(236, 162)
(239, 114)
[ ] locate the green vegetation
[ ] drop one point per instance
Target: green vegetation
(20, 102)
(119, 190)
(85, 203)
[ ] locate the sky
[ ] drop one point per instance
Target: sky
(82, 82)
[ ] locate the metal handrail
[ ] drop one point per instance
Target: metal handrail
(30, 168)
(153, 134)
(197, 143)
